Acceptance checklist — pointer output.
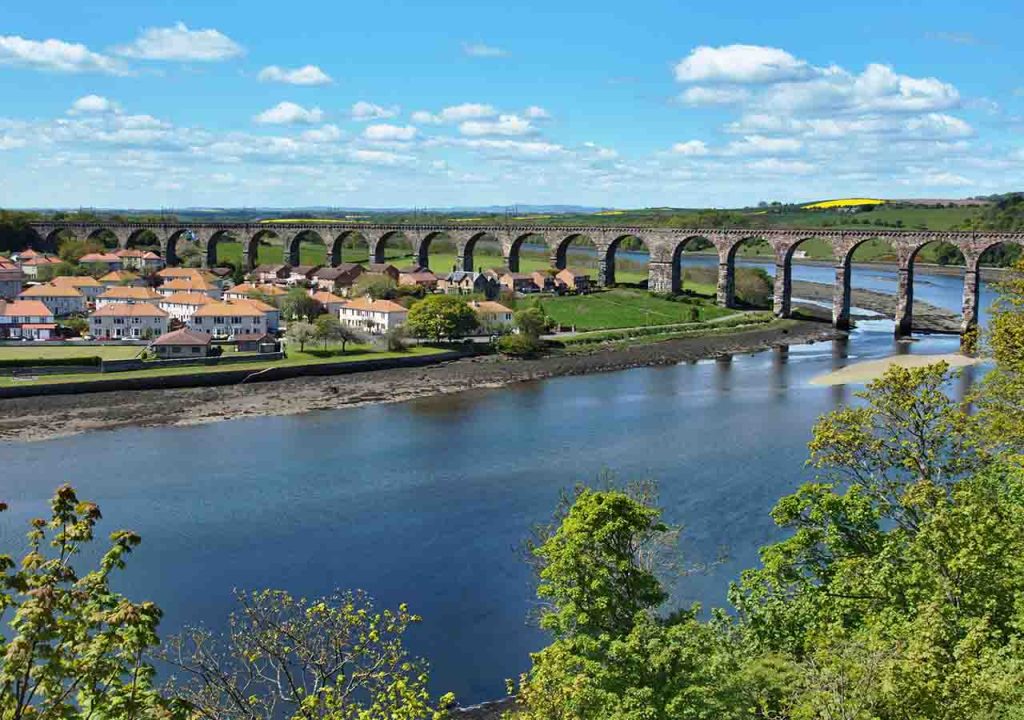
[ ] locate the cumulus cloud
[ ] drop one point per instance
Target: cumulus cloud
(690, 148)
(289, 113)
(508, 148)
(11, 143)
(509, 125)
(454, 114)
(180, 43)
(363, 111)
(55, 55)
(781, 167)
(762, 145)
(741, 64)
(327, 133)
(389, 133)
(305, 75)
(535, 112)
(479, 49)
(379, 157)
(92, 104)
(699, 96)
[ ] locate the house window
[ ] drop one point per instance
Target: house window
(195, 349)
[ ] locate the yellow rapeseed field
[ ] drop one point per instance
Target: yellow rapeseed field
(843, 202)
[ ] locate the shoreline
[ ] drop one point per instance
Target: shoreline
(49, 417)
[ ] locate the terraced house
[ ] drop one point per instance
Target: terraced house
(183, 305)
(225, 319)
(26, 319)
(136, 320)
(88, 286)
(61, 301)
(128, 294)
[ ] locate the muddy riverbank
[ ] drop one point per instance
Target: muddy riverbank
(42, 418)
(927, 318)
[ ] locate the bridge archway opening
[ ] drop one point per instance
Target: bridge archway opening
(395, 248)
(527, 253)
(438, 251)
(628, 262)
(350, 247)
(576, 251)
(481, 251)
(695, 267)
(49, 242)
(224, 249)
(1001, 255)
(920, 287)
(883, 279)
(805, 249)
(183, 249)
(104, 237)
(265, 247)
(145, 240)
(751, 266)
(306, 248)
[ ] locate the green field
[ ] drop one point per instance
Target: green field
(312, 356)
(622, 308)
(41, 351)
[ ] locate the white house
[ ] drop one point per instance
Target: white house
(12, 280)
(61, 300)
(331, 302)
(195, 283)
(88, 286)
(492, 313)
(228, 318)
(183, 305)
(374, 316)
(128, 294)
(26, 318)
(137, 320)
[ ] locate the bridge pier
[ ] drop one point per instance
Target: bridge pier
(512, 261)
(841, 298)
(464, 261)
(783, 296)
(662, 277)
(971, 296)
(605, 272)
(905, 301)
(726, 294)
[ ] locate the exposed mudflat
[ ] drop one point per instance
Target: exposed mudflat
(927, 318)
(41, 418)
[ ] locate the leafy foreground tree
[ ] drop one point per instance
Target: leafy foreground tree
(898, 592)
(300, 333)
(72, 647)
(441, 317)
(335, 658)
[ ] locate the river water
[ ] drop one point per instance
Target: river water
(427, 501)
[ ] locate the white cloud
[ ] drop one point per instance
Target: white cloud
(762, 145)
(305, 75)
(179, 43)
(509, 125)
(482, 50)
(938, 125)
(942, 179)
(781, 167)
(698, 96)
(389, 133)
(10, 143)
(289, 113)
(55, 55)
(741, 64)
(327, 133)
(455, 113)
(601, 153)
(535, 112)
(363, 110)
(379, 157)
(92, 104)
(516, 148)
(690, 148)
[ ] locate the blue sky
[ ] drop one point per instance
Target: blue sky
(385, 104)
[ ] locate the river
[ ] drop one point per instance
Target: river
(427, 501)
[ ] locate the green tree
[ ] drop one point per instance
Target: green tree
(332, 658)
(72, 647)
(532, 321)
(301, 332)
(330, 329)
(441, 317)
(72, 249)
(299, 304)
(378, 286)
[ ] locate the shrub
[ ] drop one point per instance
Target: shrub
(520, 345)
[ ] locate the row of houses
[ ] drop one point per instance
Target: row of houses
(341, 279)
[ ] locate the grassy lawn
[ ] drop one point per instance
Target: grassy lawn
(309, 254)
(312, 356)
(623, 308)
(41, 351)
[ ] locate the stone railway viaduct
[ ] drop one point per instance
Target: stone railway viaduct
(664, 245)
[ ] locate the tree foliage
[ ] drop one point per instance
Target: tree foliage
(300, 333)
(441, 317)
(300, 305)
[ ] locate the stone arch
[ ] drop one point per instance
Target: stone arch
(726, 293)
(667, 276)
(103, 234)
(973, 252)
(512, 251)
(212, 241)
(607, 260)
(561, 248)
(171, 243)
(336, 248)
(137, 238)
(293, 245)
(251, 246)
(421, 249)
(782, 297)
(466, 248)
(378, 249)
(905, 291)
(844, 251)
